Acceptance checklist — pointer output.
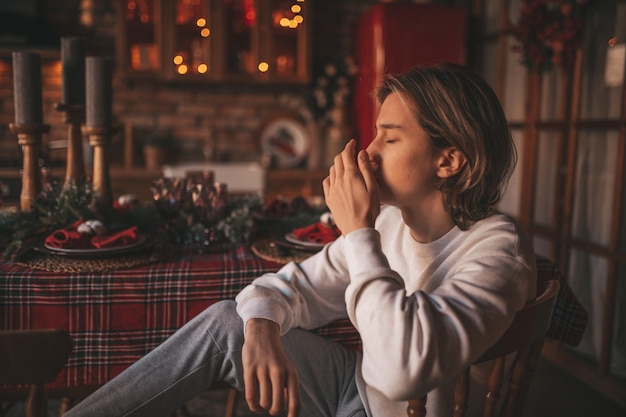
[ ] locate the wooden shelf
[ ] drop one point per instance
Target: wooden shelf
(288, 183)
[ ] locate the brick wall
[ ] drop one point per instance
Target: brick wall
(206, 120)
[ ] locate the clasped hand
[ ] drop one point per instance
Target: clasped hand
(351, 190)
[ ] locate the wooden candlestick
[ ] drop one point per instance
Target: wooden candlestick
(75, 166)
(29, 138)
(99, 139)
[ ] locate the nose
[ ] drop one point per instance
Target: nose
(372, 147)
(373, 152)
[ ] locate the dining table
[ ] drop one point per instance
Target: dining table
(120, 306)
(117, 309)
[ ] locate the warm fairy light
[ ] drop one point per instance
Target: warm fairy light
(182, 69)
(132, 5)
(263, 66)
(178, 59)
(296, 8)
(201, 22)
(612, 41)
(293, 24)
(205, 32)
(298, 19)
(284, 22)
(203, 68)
(281, 63)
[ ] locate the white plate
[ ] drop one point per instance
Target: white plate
(290, 237)
(287, 141)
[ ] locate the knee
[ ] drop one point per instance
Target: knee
(221, 316)
(224, 311)
(225, 308)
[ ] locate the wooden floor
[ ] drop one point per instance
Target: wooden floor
(553, 393)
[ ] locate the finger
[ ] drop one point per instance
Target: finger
(347, 156)
(278, 393)
(265, 392)
(332, 173)
(326, 186)
(293, 392)
(251, 392)
(351, 145)
(338, 165)
(366, 170)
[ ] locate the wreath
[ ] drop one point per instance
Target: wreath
(549, 33)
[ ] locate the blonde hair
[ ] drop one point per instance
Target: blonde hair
(455, 107)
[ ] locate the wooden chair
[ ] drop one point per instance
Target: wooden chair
(525, 336)
(33, 358)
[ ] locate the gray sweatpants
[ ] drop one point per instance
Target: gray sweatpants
(208, 349)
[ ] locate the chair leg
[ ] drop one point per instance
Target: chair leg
(417, 407)
(66, 404)
(36, 402)
(461, 393)
(231, 402)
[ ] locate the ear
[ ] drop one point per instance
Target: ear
(450, 162)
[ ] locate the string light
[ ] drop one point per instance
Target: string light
(263, 66)
(203, 68)
(205, 32)
(183, 69)
(201, 22)
(178, 59)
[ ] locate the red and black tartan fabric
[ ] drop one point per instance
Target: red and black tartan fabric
(116, 317)
(569, 318)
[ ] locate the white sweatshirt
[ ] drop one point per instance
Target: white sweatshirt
(423, 311)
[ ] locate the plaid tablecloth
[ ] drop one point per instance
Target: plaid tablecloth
(116, 317)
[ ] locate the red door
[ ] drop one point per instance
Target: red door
(392, 37)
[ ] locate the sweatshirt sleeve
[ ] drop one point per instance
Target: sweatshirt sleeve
(307, 294)
(414, 342)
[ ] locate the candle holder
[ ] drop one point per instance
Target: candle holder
(29, 138)
(99, 139)
(74, 116)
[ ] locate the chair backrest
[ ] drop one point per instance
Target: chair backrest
(525, 336)
(239, 177)
(33, 358)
